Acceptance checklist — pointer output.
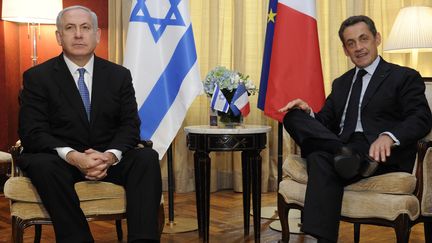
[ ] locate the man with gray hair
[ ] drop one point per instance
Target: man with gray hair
(78, 121)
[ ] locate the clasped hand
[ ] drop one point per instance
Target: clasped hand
(93, 164)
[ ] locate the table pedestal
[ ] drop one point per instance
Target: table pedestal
(250, 143)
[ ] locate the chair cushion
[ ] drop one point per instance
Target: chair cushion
(294, 167)
(31, 210)
(5, 157)
(359, 204)
(21, 189)
(97, 198)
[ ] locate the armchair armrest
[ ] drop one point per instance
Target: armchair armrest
(424, 177)
(145, 144)
(422, 147)
(15, 151)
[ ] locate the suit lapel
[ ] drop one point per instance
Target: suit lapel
(63, 78)
(345, 87)
(378, 77)
(99, 78)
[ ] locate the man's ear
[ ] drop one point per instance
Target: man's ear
(98, 35)
(345, 50)
(58, 38)
(378, 39)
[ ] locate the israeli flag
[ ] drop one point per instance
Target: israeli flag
(160, 53)
(218, 101)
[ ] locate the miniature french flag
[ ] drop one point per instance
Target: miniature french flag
(218, 101)
(240, 101)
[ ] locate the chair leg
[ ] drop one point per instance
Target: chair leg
(357, 232)
(283, 210)
(119, 229)
(17, 230)
(38, 233)
(428, 231)
(402, 228)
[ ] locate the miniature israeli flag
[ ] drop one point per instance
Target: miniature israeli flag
(218, 101)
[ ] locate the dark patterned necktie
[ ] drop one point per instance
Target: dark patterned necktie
(351, 115)
(84, 92)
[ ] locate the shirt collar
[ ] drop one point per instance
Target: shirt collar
(73, 67)
(372, 67)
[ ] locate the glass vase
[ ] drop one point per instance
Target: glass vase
(229, 119)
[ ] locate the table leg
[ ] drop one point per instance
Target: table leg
(256, 164)
(246, 180)
(202, 165)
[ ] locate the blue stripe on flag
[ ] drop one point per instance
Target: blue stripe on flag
(215, 96)
(167, 87)
(239, 91)
(266, 57)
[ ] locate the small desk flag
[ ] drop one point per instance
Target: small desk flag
(240, 101)
(218, 101)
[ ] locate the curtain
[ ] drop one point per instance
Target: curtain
(231, 33)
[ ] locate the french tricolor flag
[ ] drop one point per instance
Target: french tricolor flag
(291, 61)
(240, 101)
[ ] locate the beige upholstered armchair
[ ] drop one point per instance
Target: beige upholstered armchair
(99, 201)
(397, 200)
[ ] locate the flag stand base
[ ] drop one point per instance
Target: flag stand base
(180, 225)
(294, 222)
(269, 212)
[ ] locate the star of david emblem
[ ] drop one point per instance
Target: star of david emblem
(157, 26)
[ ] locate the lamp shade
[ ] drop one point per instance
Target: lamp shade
(412, 29)
(31, 11)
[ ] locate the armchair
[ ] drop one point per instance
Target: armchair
(99, 201)
(399, 200)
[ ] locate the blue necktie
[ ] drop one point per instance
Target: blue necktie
(82, 87)
(351, 115)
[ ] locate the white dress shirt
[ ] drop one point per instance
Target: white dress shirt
(366, 79)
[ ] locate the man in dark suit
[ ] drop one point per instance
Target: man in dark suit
(363, 129)
(78, 121)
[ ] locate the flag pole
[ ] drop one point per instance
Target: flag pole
(170, 185)
(294, 214)
(181, 224)
(280, 154)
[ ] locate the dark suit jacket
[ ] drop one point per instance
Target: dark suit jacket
(52, 113)
(394, 101)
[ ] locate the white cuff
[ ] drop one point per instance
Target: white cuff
(117, 154)
(63, 151)
(397, 143)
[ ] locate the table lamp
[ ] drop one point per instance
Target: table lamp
(33, 13)
(411, 32)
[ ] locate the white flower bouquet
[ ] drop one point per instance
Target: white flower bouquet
(227, 80)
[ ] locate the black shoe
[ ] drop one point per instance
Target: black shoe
(369, 166)
(349, 164)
